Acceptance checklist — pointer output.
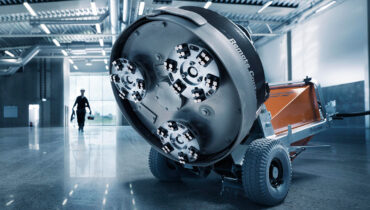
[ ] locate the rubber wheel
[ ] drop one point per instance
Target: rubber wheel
(266, 172)
(162, 168)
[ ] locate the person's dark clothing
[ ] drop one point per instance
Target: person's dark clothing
(81, 113)
(82, 103)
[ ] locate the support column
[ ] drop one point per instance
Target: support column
(289, 56)
(367, 71)
(113, 9)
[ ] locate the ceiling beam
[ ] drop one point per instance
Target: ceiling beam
(55, 35)
(75, 56)
(240, 3)
(45, 7)
(265, 34)
(271, 22)
(60, 21)
(236, 9)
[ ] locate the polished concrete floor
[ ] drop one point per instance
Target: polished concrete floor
(106, 168)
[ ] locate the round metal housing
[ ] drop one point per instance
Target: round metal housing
(197, 86)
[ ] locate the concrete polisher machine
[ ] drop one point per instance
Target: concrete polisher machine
(191, 83)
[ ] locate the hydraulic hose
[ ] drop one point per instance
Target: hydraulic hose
(340, 116)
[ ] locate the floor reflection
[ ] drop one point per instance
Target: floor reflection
(93, 153)
(367, 146)
(33, 138)
(107, 168)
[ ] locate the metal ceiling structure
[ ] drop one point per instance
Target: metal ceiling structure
(75, 23)
(278, 14)
(13, 2)
(67, 21)
(72, 29)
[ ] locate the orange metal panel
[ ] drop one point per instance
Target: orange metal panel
(294, 105)
(279, 98)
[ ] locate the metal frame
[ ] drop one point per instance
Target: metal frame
(292, 135)
(69, 21)
(11, 65)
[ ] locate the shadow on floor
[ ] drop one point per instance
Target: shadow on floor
(171, 195)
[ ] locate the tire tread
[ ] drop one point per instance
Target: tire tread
(159, 167)
(254, 171)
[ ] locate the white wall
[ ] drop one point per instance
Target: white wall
(332, 47)
(274, 59)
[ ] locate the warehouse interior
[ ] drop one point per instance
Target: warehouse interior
(50, 50)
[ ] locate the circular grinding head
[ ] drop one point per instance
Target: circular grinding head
(128, 79)
(179, 141)
(192, 90)
(192, 71)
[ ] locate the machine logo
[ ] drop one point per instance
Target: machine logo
(233, 42)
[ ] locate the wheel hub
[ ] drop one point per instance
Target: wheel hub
(276, 173)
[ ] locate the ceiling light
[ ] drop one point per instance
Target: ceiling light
(105, 61)
(29, 8)
(141, 7)
(98, 29)
(9, 53)
(43, 99)
(103, 52)
(64, 52)
(56, 42)
(101, 42)
(11, 60)
(106, 67)
(326, 6)
(75, 67)
(207, 5)
(71, 61)
(265, 6)
(44, 28)
(93, 7)
(79, 52)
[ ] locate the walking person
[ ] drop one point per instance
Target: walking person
(82, 103)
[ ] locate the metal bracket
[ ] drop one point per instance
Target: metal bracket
(302, 132)
(232, 184)
(330, 109)
(299, 149)
(238, 154)
(310, 147)
(264, 118)
(289, 134)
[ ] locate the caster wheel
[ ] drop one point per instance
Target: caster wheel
(266, 172)
(162, 168)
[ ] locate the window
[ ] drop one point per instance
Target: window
(100, 95)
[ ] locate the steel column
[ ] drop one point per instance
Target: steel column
(367, 73)
(289, 56)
